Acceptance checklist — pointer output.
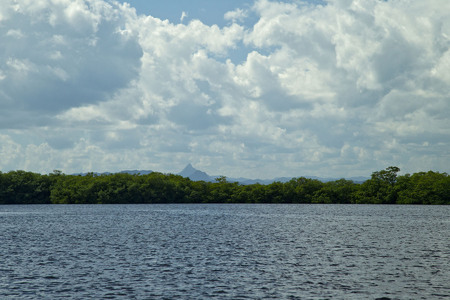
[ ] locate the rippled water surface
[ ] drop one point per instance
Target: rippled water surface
(224, 252)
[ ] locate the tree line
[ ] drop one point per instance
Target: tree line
(384, 187)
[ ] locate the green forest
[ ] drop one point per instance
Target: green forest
(384, 187)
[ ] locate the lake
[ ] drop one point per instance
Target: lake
(224, 251)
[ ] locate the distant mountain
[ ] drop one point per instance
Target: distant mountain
(196, 175)
(246, 181)
(358, 179)
(132, 172)
(135, 172)
(95, 173)
(188, 170)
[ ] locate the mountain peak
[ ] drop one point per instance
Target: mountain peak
(192, 173)
(188, 170)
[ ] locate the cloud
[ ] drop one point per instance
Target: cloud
(340, 89)
(183, 16)
(56, 56)
(236, 15)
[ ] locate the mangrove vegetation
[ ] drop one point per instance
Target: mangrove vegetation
(384, 187)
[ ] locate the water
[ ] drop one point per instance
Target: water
(224, 252)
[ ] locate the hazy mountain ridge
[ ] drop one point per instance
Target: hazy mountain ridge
(197, 175)
(131, 172)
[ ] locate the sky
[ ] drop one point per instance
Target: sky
(256, 89)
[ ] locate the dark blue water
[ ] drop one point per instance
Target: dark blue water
(224, 252)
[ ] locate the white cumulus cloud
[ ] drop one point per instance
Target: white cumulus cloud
(340, 89)
(238, 14)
